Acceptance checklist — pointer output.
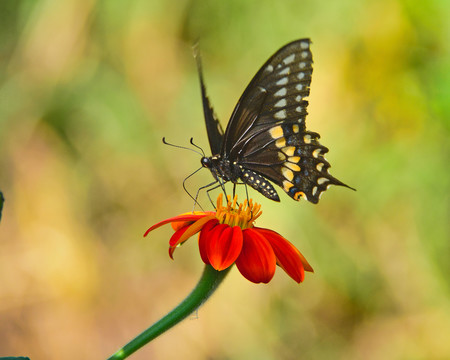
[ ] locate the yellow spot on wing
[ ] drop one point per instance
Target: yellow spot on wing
(299, 194)
(287, 185)
(288, 174)
(276, 132)
(280, 143)
(289, 150)
(291, 166)
(295, 128)
(294, 159)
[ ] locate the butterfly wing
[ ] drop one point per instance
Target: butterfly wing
(267, 133)
(213, 127)
(274, 95)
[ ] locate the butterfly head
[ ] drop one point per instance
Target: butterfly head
(206, 162)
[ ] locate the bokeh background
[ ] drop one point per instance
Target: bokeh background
(88, 89)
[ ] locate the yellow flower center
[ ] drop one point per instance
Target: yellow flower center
(242, 215)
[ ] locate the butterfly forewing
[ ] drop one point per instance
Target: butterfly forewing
(275, 95)
(213, 127)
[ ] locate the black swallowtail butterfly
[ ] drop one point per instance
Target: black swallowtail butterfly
(266, 137)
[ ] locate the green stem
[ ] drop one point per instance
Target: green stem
(206, 286)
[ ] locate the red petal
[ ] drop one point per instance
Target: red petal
(175, 240)
(224, 248)
(211, 237)
(305, 262)
(257, 261)
(171, 251)
(203, 238)
(179, 218)
(176, 225)
(288, 257)
(196, 227)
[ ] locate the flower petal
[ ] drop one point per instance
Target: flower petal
(175, 240)
(289, 258)
(180, 218)
(179, 224)
(205, 234)
(257, 261)
(196, 227)
(224, 248)
(210, 238)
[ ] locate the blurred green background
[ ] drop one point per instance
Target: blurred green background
(88, 89)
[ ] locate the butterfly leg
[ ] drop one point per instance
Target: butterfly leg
(187, 192)
(246, 192)
(207, 192)
(213, 188)
(248, 200)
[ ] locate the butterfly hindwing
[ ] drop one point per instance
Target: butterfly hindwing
(293, 160)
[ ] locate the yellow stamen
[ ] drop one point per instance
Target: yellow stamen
(243, 216)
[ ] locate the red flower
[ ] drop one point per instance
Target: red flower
(227, 236)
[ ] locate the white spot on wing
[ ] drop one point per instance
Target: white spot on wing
(299, 87)
(282, 81)
(281, 103)
(300, 75)
(321, 180)
(280, 115)
(305, 54)
(281, 92)
(298, 98)
(302, 65)
(269, 68)
(285, 71)
(298, 109)
(289, 59)
(304, 45)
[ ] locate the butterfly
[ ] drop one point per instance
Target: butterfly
(266, 140)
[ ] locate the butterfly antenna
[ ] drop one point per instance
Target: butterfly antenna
(182, 147)
(198, 147)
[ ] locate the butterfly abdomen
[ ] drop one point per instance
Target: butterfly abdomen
(260, 184)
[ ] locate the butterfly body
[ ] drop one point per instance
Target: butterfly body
(266, 138)
(227, 171)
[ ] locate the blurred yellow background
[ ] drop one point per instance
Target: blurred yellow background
(88, 89)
